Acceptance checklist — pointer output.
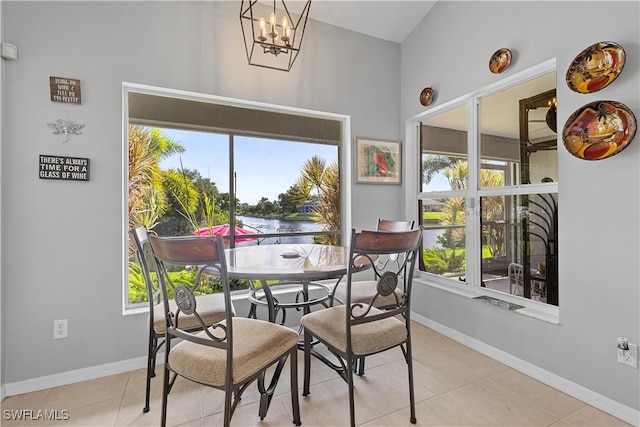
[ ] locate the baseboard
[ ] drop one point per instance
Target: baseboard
(577, 391)
(76, 375)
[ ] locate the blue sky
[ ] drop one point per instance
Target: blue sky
(264, 168)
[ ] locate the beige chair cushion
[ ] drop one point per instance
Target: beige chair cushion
(330, 326)
(363, 292)
(256, 345)
(210, 307)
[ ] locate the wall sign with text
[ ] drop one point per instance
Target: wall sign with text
(64, 89)
(64, 168)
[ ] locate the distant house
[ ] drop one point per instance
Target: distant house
(432, 205)
(308, 207)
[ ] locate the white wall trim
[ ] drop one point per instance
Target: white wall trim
(77, 375)
(346, 171)
(577, 391)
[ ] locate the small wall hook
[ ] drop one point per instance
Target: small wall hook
(65, 127)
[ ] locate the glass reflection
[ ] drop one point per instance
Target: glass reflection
(519, 245)
(443, 143)
(518, 132)
(444, 238)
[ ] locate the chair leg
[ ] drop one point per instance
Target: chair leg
(352, 409)
(165, 393)
(153, 352)
(265, 398)
(295, 404)
(253, 311)
(266, 393)
(360, 366)
(412, 398)
(228, 395)
(307, 363)
(151, 366)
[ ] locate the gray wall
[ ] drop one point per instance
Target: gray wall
(64, 239)
(599, 210)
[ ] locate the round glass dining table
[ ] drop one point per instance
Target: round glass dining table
(284, 276)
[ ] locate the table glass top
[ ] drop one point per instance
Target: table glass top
(289, 261)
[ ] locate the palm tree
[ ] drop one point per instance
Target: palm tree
(458, 174)
(147, 200)
(300, 191)
(328, 211)
(315, 175)
(454, 213)
(313, 172)
(434, 164)
(493, 228)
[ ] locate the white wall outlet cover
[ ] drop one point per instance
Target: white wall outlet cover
(60, 329)
(9, 51)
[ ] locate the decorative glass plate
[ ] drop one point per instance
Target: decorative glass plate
(599, 130)
(426, 96)
(595, 67)
(500, 60)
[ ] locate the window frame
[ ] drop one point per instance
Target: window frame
(474, 193)
(345, 159)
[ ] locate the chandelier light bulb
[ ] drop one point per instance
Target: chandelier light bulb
(274, 32)
(285, 30)
(263, 30)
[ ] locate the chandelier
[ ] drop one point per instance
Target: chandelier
(272, 38)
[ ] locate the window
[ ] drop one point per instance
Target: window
(488, 197)
(267, 162)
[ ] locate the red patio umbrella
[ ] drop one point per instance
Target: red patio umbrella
(224, 230)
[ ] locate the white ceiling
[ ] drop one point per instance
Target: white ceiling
(387, 20)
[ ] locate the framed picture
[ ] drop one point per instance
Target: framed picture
(378, 161)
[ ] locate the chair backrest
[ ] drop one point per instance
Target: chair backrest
(140, 237)
(390, 225)
(404, 245)
(183, 265)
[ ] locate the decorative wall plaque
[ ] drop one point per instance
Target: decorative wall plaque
(599, 130)
(64, 89)
(595, 67)
(500, 60)
(64, 168)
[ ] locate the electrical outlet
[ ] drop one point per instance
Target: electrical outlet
(629, 357)
(60, 329)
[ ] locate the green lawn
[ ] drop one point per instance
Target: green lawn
(432, 217)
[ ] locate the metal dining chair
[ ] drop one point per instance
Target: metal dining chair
(212, 307)
(363, 291)
(356, 329)
(229, 355)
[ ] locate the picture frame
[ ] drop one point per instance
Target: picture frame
(378, 161)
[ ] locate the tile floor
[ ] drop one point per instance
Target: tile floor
(454, 386)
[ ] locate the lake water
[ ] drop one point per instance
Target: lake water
(270, 226)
